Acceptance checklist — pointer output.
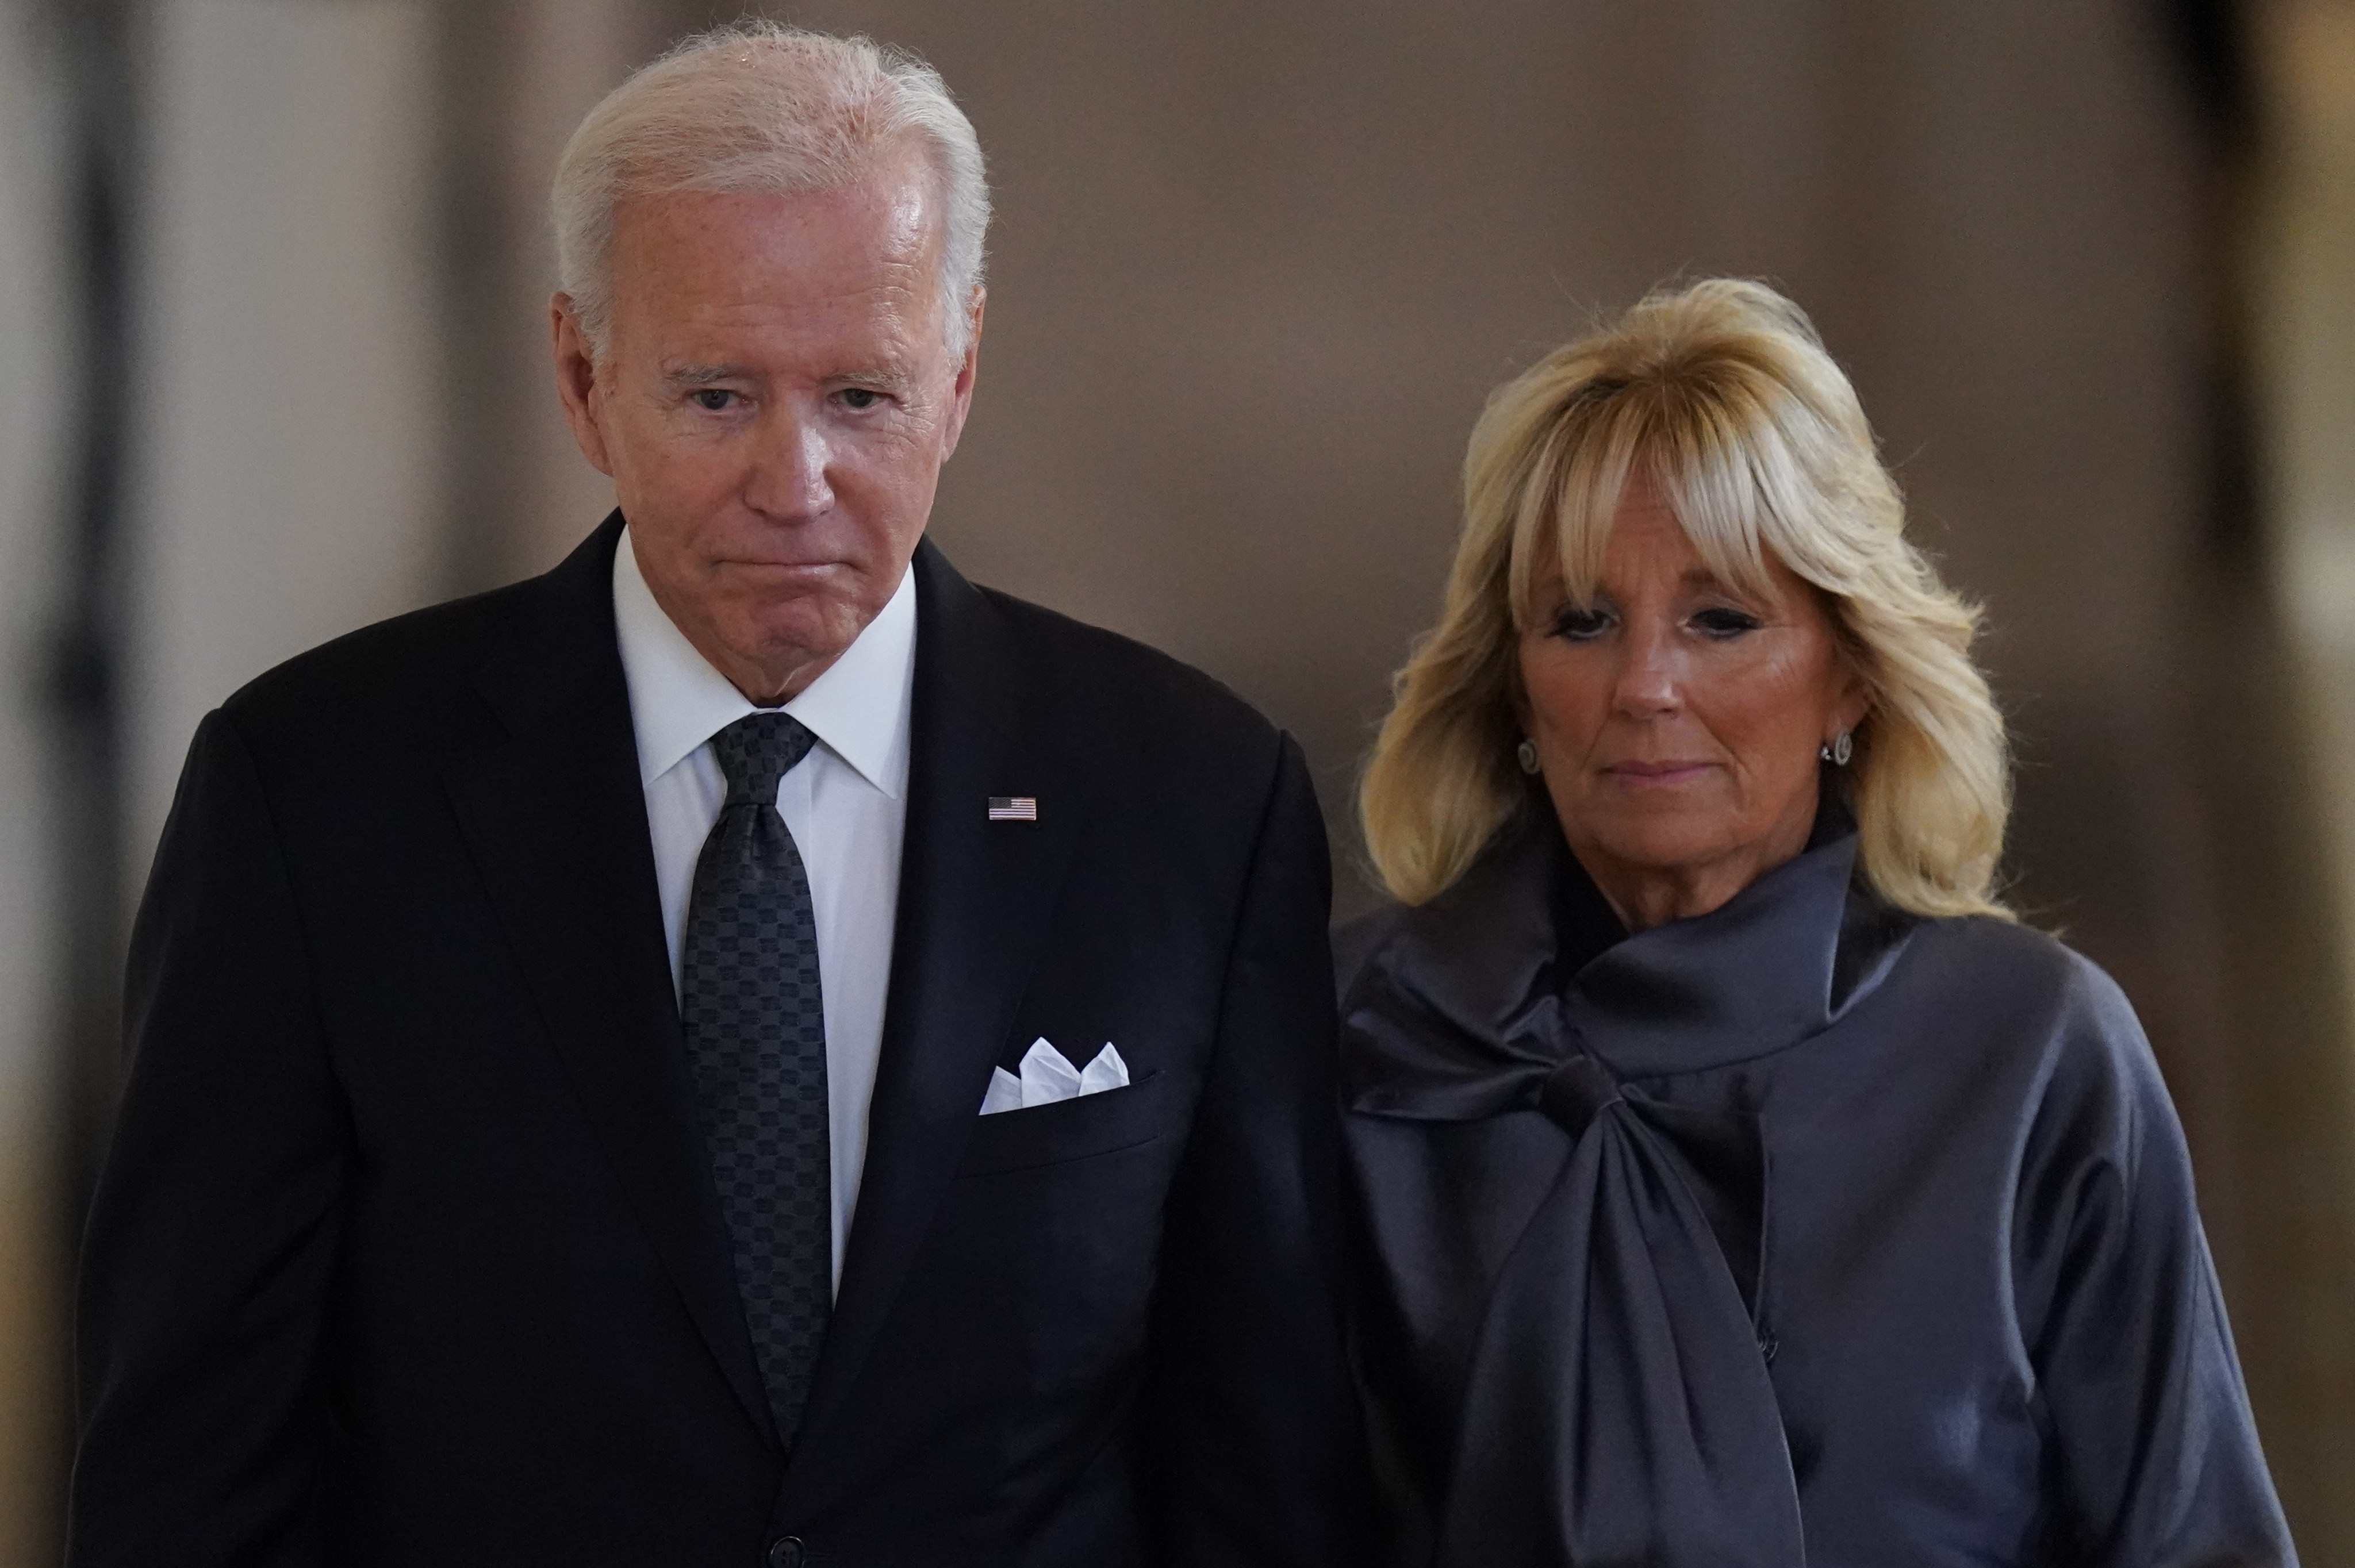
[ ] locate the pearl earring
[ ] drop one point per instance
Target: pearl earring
(1526, 752)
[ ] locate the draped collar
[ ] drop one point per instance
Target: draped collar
(1633, 1301)
(1521, 966)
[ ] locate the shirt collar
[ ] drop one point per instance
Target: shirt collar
(858, 708)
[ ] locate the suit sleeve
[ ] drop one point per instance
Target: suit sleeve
(212, 1236)
(1262, 1459)
(2158, 1465)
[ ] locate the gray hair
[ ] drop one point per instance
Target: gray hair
(759, 107)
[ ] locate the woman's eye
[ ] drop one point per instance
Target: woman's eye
(1724, 621)
(860, 397)
(1579, 624)
(714, 399)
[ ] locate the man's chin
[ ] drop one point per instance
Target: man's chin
(780, 631)
(802, 637)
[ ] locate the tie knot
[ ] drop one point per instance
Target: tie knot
(756, 752)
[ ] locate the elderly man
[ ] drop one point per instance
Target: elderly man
(746, 1049)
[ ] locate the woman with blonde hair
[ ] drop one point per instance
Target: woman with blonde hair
(1741, 1186)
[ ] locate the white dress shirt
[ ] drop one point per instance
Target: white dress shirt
(844, 804)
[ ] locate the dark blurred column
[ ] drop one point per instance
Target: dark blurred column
(90, 86)
(93, 47)
(98, 47)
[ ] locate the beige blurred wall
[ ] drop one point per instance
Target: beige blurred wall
(2298, 266)
(286, 485)
(2302, 316)
(517, 77)
(1256, 266)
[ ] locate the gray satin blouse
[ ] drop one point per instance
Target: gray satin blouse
(1804, 1234)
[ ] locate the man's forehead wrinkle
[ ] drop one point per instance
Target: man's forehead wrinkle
(884, 306)
(886, 368)
(872, 352)
(906, 208)
(897, 285)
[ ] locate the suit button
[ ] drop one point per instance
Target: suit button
(785, 1551)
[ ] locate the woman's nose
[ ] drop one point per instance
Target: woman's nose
(1649, 680)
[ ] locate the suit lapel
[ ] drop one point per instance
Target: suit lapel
(976, 899)
(556, 820)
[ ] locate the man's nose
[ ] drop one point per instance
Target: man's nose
(788, 478)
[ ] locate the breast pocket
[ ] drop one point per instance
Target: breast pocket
(1076, 1128)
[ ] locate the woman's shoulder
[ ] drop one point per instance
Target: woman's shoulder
(2038, 969)
(2047, 999)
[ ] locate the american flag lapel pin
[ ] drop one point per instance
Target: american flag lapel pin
(1013, 808)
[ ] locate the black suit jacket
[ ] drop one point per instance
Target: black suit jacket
(406, 1250)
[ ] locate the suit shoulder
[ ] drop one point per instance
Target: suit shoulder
(1131, 683)
(404, 664)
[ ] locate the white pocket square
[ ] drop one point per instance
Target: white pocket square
(1048, 1077)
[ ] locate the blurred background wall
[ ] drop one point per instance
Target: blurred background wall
(272, 292)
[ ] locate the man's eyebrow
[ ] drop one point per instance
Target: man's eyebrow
(889, 377)
(679, 375)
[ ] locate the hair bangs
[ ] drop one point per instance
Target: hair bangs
(1685, 446)
(1568, 500)
(1700, 460)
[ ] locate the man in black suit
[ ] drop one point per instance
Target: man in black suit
(562, 1020)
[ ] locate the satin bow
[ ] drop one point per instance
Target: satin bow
(1617, 1407)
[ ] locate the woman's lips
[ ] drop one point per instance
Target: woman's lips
(1649, 773)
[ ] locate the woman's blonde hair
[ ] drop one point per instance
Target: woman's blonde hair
(1723, 393)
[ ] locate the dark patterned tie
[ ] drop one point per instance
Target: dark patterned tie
(755, 1030)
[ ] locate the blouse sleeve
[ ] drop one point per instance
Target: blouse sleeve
(2158, 1460)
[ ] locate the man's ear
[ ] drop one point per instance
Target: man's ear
(961, 395)
(576, 381)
